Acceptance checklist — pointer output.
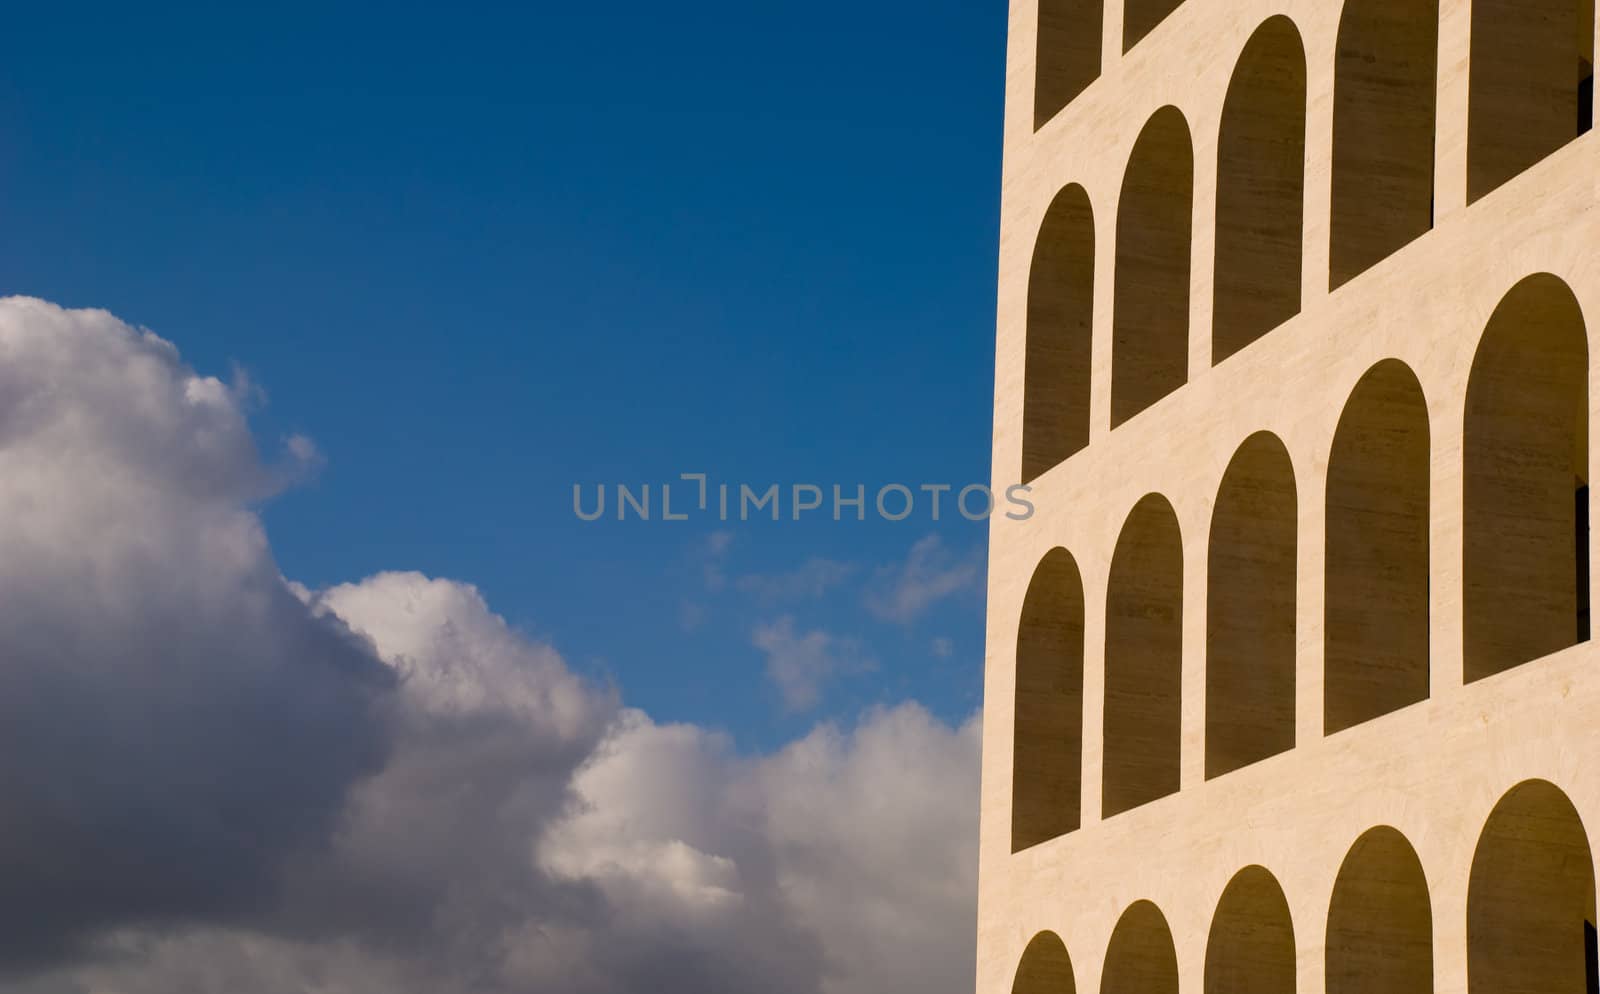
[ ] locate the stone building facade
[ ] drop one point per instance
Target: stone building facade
(1289, 681)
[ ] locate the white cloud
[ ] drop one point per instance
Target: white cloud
(713, 555)
(801, 664)
(382, 787)
(638, 821)
(812, 579)
(905, 591)
(865, 831)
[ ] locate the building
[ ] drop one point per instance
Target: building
(1289, 683)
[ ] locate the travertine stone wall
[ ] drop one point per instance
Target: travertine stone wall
(1240, 863)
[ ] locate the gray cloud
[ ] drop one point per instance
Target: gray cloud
(173, 722)
(216, 780)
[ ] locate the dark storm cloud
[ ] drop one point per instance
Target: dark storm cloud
(212, 780)
(173, 721)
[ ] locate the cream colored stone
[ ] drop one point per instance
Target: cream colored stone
(1434, 770)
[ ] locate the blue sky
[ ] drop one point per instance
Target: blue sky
(480, 256)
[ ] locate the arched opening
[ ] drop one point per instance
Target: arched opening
(1531, 88)
(1380, 920)
(1067, 54)
(1384, 110)
(1251, 946)
(1140, 17)
(1376, 608)
(1144, 660)
(1250, 609)
(1055, 406)
(1048, 744)
(1140, 958)
(1530, 900)
(1261, 155)
(1155, 222)
(1045, 968)
(1526, 509)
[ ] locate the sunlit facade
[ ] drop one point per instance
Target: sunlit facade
(1289, 684)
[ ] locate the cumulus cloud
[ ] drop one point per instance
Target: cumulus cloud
(174, 723)
(931, 572)
(217, 780)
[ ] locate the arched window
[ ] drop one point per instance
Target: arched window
(1532, 85)
(1384, 98)
(1068, 54)
(1048, 744)
(1250, 609)
(1376, 608)
(1140, 17)
(1530, 900)
(1144, 660)
(1055, 408)
(1155, 223)
(1140, 958)
(1251, 946)
(1261, 154)
(1045, 968)
(1380, 921)
(1526, 511)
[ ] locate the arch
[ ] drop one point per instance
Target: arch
(1375, 656)
(1045, 968)
(1530, 899)
(1526, 503)
(1155, 224)
(1261, 170)
(1380, 920)
(1140, 17)
(1067, 56)
(1140, 958)
(1251, 946)
(1531, 88)
(1385, 96)
(1250, 609)
(1144, 660)
(1055, 406)
(1048, 743)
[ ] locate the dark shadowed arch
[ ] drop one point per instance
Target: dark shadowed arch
(1525, 516)
(1140, 958)
(1261, 155)
(1380, 920)
(1376, 608)
(1155, 224)
(1140, 17)
(1048, 744)
(1531, 88)
(1530, 901)
(1144, 660)
(1055, 409)
(1250, 609)
(1068, 54)
(1251, 946)
(1384, 110)
(1045, 968)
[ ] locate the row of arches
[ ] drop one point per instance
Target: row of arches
(1530, 922)
(1524, 571)
(1530, 92)
(1067, 57)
